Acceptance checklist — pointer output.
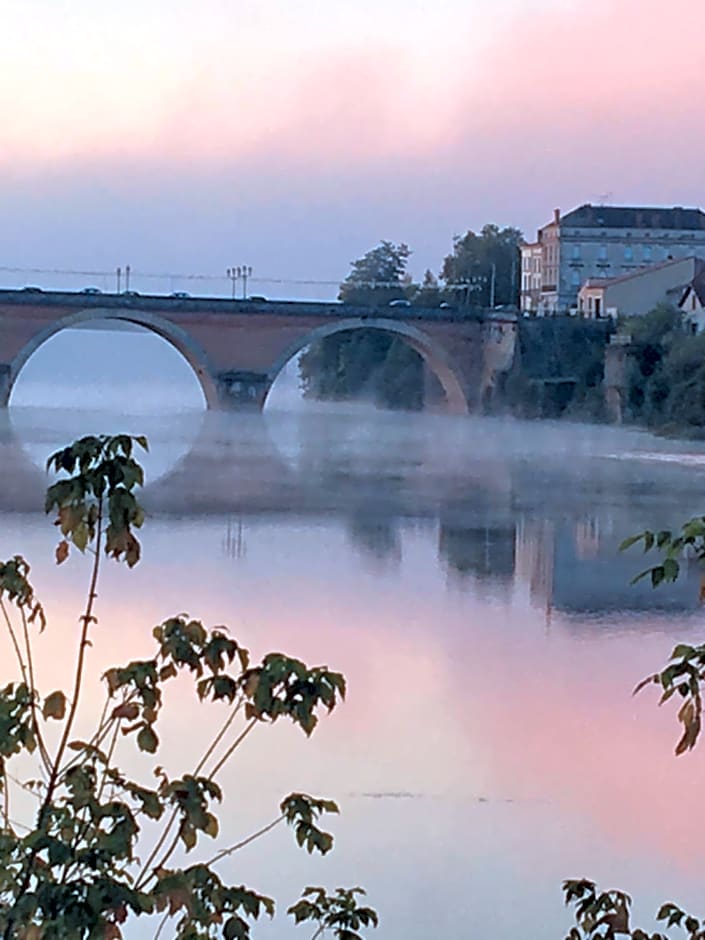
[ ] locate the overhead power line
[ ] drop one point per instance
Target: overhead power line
(223, 278)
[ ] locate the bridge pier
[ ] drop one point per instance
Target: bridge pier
(239, 389)
(618, 356)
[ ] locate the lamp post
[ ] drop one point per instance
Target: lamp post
(242, 271)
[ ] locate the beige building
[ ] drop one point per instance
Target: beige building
(608, 242)
(638, 292)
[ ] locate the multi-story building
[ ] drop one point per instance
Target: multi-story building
(531, 277)
(607, 242)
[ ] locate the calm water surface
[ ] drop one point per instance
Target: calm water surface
(464, 575)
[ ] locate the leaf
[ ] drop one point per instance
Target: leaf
(644, 682)
(147, 739)
(211, 827)
(54, 706)
(128, 710)
(632, 540)
(62, 551)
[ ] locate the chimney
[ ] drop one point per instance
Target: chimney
(557, 216)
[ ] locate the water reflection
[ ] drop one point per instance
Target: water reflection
(465, 576)
(522, 522)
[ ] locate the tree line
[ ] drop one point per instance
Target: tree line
(482, 270)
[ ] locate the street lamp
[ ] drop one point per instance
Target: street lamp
(242, 271)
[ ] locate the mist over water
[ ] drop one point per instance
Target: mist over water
(462, 572)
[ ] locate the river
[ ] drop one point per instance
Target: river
(464, 575)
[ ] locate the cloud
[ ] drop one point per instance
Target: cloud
(233, 145)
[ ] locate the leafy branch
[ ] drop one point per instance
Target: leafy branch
(75, 872)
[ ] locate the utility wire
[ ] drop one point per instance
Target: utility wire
(172, 276)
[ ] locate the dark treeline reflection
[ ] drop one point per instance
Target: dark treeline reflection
(510, 506)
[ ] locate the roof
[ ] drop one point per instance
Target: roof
(697, 285)
(637, 217)
(648, 269)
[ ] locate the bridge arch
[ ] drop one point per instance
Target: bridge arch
(432, 353)
(191, 351)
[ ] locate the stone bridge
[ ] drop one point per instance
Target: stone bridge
(238, 347)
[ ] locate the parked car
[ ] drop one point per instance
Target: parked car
(400, 303)
(32, 290)
(255, 298)
(180, 294)
(130, 293)
(91, 290)
(445, 305)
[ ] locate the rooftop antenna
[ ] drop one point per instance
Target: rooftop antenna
(603, 198)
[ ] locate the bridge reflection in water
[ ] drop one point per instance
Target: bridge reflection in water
(546, 530)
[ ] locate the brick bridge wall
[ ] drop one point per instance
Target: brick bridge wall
(237, 348)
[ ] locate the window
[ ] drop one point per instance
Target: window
(576, 278)
(576, 252)
(647, 253)
(628, 253)
(602, 253)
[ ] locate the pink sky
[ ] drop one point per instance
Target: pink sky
(191, 139)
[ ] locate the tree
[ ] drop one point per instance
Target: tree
(365, 365)
(603, 915)
(428, 293)
(484, 270)
(100, 847)
(379, 277)
(666, 380)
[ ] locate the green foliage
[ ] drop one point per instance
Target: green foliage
(369, 364)
(378, 277)
(103, 474)
(79, 869)
(685, 672)
(553, 348)
(478, 259)
(428, 293)
(339, 913)
(605, 915)
(364, 364)
(666, 381)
